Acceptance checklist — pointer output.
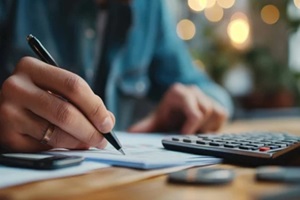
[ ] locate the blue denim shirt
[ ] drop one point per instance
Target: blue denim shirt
(141, 57)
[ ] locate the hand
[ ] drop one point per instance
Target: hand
(27, 109)
(185, 109)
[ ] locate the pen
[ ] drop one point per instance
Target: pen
(45, 56)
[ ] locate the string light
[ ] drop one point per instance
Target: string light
(214, 14)
(226, 3)
(186, 29)
(270, 14)
(197, 5)
(238, 29)
(210, 3)
(297, 3)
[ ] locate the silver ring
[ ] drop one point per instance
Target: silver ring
(48, 133)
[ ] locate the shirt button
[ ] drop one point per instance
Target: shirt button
(140, 86)
(89, 33)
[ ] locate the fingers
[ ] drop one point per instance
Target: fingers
(188, 109)
(215, 120)
(12, 137)
(71, 87)
(212, 114)
(27, 138)
(63, 115)
(184, 98)
(75, 120)
(194, 116)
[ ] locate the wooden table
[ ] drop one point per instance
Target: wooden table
(130, 184)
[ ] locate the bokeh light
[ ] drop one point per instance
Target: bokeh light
(197, 5)
(270, 14)
(214, 14)
(210, 3)
(186, 29)
(239, 15)
(238, 29)
(226, 3)
(297, 3)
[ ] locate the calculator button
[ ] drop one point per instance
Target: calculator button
(229, 141)
(264, 149)
(207, 139)
(282, 143)
(237, 143)
(274, 147)
(187, 140)
(220, 141)
(201, 142)
(231, 145)
(205, 136)
(290, 141)
(215, 144)
(259, 144)
(247, 148)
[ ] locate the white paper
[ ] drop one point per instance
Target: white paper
(10, 176)
(143, 151)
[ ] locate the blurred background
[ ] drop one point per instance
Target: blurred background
(250, 47)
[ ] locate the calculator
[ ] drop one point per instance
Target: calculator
(250, 148)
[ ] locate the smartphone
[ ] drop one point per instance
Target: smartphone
(39, 161)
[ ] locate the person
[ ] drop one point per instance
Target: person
(122, 66)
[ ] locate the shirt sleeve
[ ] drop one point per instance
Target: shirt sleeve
(7, 9)
(173, 63)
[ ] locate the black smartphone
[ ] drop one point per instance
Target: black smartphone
(39, 161)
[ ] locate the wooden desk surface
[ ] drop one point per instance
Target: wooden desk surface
(122, 183)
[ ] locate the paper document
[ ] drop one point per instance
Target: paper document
(14, 176)
(143, 151)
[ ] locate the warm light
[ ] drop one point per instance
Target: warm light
(238, 30)
(197, 5)
(226, 3)
(239, 15)
(186, 29)
(270, 14)
(297, 3)
(210, 3)
(214, 14)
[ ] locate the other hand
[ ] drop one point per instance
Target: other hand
(184, 109)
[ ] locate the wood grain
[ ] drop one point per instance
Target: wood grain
(123, 183)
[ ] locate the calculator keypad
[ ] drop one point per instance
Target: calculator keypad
(248, 143)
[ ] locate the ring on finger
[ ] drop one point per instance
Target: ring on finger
(48, 134)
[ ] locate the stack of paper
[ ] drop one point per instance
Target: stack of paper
(143, 151)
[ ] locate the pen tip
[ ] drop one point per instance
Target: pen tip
(121, 150)
(30, 36)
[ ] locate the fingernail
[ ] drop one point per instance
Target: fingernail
(106, 125)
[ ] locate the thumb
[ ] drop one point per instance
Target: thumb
(144, 126)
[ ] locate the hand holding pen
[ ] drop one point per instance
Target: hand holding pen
(33, 119)
(45, 56)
